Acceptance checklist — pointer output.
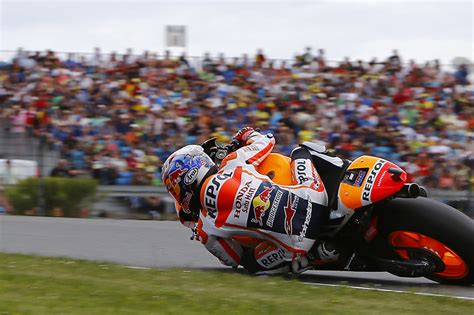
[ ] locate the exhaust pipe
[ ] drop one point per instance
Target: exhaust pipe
(410, 190)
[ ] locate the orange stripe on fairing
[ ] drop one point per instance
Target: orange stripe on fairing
(225, 199)
(229, 250)
(287, 247)
(260, 154)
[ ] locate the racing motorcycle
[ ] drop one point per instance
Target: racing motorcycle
(382, 221)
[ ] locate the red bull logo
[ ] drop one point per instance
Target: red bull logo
(172, 182)
(260, 204)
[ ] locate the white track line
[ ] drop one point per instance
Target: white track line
(359, 288)
(389, 290)
(136, 267)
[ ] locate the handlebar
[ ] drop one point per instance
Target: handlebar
(232, 146)
(218, 152)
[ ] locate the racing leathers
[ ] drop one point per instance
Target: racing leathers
(248, 220)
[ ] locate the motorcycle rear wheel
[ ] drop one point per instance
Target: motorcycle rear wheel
(429, 226)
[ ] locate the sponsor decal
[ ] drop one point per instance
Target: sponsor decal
(243, 199)
(274, 208)
(317, 184)
(301, 171)
(269, 260)
(250, 148)
(370, 180)
(212, 191)
(302, 175)
(191, 176)
(260, 204)
(360, 178)
(355, 177)
(295, 202)
(175, 176)
(309, 210)
(381, 178)
(173, 180)
(289, 215)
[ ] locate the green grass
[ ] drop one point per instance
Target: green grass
(38, 285)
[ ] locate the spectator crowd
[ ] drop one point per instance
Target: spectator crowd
(118, 117)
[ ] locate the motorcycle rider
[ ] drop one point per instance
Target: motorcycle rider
(240, 215)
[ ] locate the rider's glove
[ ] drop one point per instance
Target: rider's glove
(243, 135)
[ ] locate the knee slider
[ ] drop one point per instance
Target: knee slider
(266, 256)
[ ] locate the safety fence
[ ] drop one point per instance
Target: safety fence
(114, 201)
(143, 191)
(462, 200)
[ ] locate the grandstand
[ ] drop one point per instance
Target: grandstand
(117, 117)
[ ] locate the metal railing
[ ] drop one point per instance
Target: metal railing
(143, 191)
(462, 200)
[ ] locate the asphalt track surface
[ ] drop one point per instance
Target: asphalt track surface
(160, 244)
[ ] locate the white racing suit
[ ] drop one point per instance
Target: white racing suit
(240, 202)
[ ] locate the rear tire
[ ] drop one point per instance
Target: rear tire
(435, 220)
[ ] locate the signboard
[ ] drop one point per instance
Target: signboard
(11, 171)
(175, 35)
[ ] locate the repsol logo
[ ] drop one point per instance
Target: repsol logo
(371, 179)
(270, 259)
(301, 171)
(212, 191)
(243, 199)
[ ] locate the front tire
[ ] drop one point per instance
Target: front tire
(432, 227)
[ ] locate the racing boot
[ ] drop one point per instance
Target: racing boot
(324, 253)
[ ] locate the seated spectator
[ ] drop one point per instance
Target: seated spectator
(116, 118)
(61, 170)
